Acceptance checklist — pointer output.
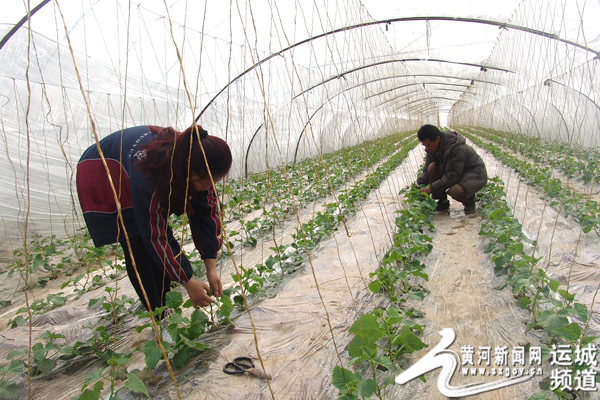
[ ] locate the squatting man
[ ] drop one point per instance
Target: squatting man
(452, 168)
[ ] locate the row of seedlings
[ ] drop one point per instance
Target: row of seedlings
(79, 253)
(288, 258)
(385, 335)
(561, 321)
(585, 211)
(258, 280)
(184, 331)
(574, 162)
(309, 182)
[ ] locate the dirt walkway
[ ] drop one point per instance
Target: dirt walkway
(462, 297)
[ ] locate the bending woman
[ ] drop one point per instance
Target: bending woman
(150, 172)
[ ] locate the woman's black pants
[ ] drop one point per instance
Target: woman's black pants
(155, 280)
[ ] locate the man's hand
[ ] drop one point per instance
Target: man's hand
(198, 292)
(214, 281)
(425, 190)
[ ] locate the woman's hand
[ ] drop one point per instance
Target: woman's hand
(426, 190)
(198, 292)
(214, 281)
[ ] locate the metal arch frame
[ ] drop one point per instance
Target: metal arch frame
(443, 98)
(389, 62)
(378, 94)
(549, 102)
(389, 21)
(575, 90)
(409, 103)
(305, 125)
(432, 103)
(33, 11)
(561, 117)
(354, 87)
(330, 98)
(363, 25)
(248, 149)
(463, 101)
(19, 24)
(559, 113)
(398, 98)
(417, 83)
(531, 115)
(431, 76)
(547, 83)
(379, 79)
(435, 83)
(411, 107)
(420, 109)
(497, 101)
(315, 112)
(430, 98)
(424, 108)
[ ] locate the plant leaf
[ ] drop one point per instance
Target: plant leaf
(15, 367)
(191, 344)
(421, 274)
(501, 261)
(539, 395)
(524, 302)
(342, 378)
(393, 316)
(367, 388)
(375, 286)
(385, 362)
(174, 299)
(551, 321)
(499, 271)
(566, 295)
(582, 311)
(46, 366)
(8, 390)
(367, 328)
(152, 353)
(140, 328)
(570, 332)
(136, 384)
(198, 317)
(355, 347)
(181, 357)
(94, 376)
(408, 340)
(16, 354)
(93, 394)
(416, 295)
(226, 305)
(554, 285)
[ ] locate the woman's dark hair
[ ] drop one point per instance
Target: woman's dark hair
(172, 177)
(430, 132)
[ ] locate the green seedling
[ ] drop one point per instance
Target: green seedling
(585, 211)
(554, 311)
(383, 337)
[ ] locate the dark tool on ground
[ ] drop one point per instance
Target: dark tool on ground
(244, 365)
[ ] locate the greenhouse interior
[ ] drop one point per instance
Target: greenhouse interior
(306, 257)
